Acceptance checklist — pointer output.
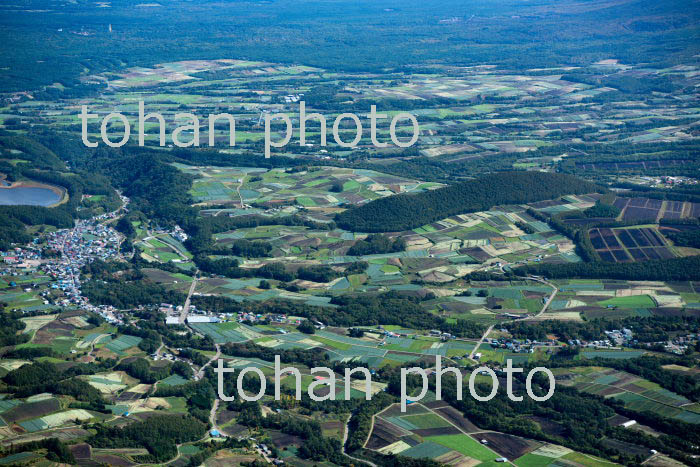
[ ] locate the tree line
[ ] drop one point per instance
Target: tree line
(407, 211)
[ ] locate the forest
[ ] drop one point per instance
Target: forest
(689, 238)
(407, 211)
(350, 36)
(159, 434)
(352, 310)
(376, 244)
(674, 269)
(646, 329)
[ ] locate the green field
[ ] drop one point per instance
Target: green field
(466, 445)
(635, 301)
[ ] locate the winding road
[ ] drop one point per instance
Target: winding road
(200, 373)
(345, 440)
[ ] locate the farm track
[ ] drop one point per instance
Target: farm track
(212, 415)
(551, 297)
(345, 440)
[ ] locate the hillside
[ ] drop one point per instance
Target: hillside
(402, 212)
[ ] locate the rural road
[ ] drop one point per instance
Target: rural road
(544, 308)
(200, 373)
(238, 190)
(212, 415)
(481, 341)
(551, 297)
(345, 440)
(186, 306)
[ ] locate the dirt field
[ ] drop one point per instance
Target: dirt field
(226, 458)
(81, 451)
(31, 410)
(448, 430)
(508, 446)
(111, 459)
(455, 416)
(547, 426)
(383, 434)
(281, 439)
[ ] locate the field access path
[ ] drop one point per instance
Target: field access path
(551, 297)
(346, 429)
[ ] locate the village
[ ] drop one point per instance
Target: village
(65, 252)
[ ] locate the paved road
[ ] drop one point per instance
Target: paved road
(186, 306)
(481, 341)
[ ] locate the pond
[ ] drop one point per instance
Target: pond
(28, 196)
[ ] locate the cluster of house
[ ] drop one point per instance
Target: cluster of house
(87, 241)
(668, 180)
(618, 337)
(677, 345)
(250, 317)
(442, 335)
(165, 356)
(517, 345)
(176, 232)
(292, 98)
(21, 258)
(680, 344)
(273, 318)
(615, 339)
